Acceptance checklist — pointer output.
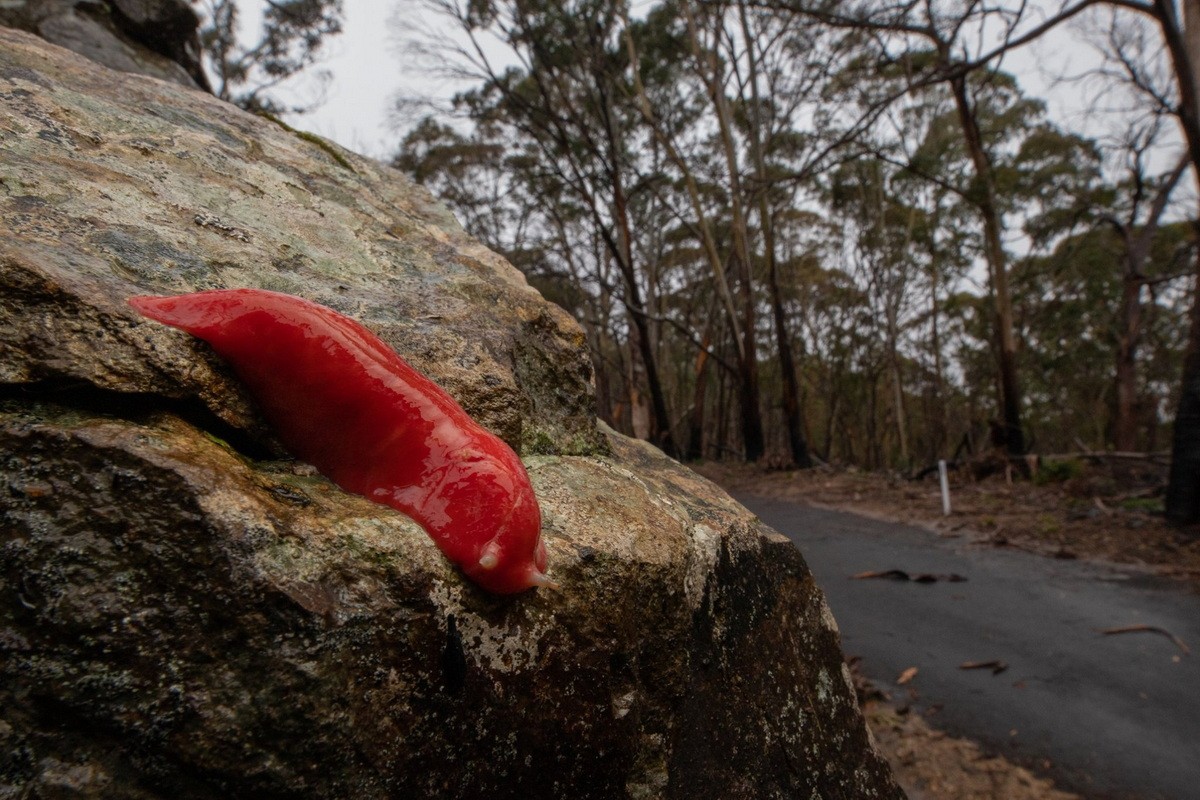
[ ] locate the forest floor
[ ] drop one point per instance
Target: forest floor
(1108, 512)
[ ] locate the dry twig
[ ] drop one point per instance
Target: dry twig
(1148, 629)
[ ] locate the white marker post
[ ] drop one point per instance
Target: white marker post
(945, 487)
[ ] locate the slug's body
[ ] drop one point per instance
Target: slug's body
(342, 400)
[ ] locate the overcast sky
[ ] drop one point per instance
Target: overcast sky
(369, 71)
(370, 67)
(366, 73)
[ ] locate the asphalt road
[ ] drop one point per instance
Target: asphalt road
(1118, 716)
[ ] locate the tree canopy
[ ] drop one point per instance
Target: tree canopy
(802, 231)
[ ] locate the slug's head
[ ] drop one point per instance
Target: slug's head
(514, 560)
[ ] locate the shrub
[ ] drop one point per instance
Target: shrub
(1058, 471)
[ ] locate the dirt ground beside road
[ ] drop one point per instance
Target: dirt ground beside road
(932, 765)
(1108, 512)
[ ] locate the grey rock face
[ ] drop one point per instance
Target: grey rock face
(183, 616)
(149, 37)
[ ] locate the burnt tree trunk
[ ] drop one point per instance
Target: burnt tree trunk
(985, 203)
(1183, 485)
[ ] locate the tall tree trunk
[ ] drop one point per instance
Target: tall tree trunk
(1136, 243)
(873, 446)
(604, 409)
(901, 416)
(941, 414)
(1125, 424)
(709, 67)
(747, 358)
(695, 443)
(985, 203)
(661, 425)
(794, 420)
(792, 415)
(696, 422)
(1183, 484)
(722, 408)
(835, 399)
(661, 430)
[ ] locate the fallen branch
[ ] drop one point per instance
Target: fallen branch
(901, 575)
(995, 665)
(1158, 490)
(1101, 455)
(1148, 629)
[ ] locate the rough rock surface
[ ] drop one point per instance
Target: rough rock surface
(150, 37)
(181, 616)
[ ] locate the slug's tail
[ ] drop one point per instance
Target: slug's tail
(165, 309)
(195, 313)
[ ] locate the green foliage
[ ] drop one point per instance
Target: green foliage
(1142, 505)
(1057, 471)
(1069, 303)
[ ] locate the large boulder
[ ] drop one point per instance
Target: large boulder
(183, 613)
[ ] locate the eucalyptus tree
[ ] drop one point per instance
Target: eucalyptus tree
(1164, 72)
(1141, 269)
(289, 41)
(843, 352)
(973, 159)
(979, 144)
(471, 175)
(760, 85)
(914, 238)
(1073, 302)
(949, 29)
(771, 95)
(562, 102)
(926, 45)
(706, 29)
(880, 230)
(670, 110)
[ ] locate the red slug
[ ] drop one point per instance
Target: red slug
(342, 400)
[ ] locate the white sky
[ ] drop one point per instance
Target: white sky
(366, 74)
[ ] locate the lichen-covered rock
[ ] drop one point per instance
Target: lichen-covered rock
(122, 186)
(182, 614)
(178, 620)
